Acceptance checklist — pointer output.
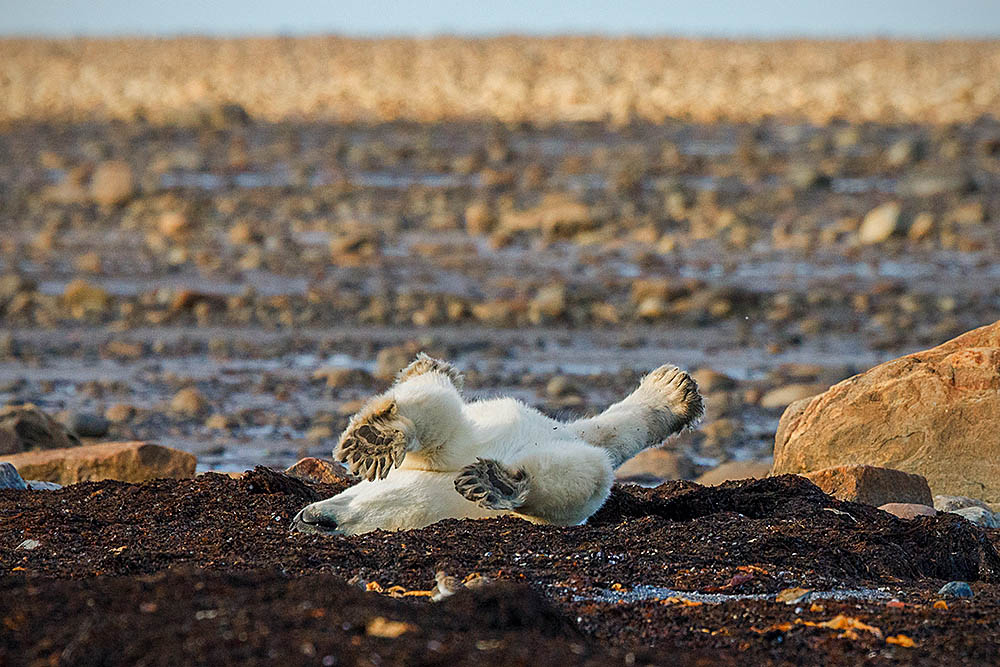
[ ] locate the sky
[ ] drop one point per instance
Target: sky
(728, 18)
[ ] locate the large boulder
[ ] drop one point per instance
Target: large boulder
(124, 461)
(25, 427)
(934, 413)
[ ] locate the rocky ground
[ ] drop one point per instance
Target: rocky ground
(205, 570)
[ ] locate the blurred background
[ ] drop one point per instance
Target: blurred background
(225, 225)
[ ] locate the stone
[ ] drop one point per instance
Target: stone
(188, 401)
(38, 485)
(880, 223)
(87, 425)
(952, 503)
(559, 386)
(10, 478)
(123, 461)
(660, 464)
(25, 427)
(112, 183)
(312, 469)
(732, 470)
(83, 298)
(549, 303)
(710, 380)
(934, 413)
(979, 516)
(28, 545)
(173, 224)
(956, 589)
(120, 412)
(781, 397)
(220, 422)
(908, 511)
(871, 485)
(338, 376)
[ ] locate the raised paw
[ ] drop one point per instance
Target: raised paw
(674, 389)
(425, 363)
(492, 485)
(375, 441)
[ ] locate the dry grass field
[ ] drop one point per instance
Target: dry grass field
(509, 78)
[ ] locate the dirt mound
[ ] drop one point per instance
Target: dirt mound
(679, 534)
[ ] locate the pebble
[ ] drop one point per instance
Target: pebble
(28, 545)
(880, 223)
(956, 589)
(120, 412)
(88, 425)
(112, 183)
(188, 401)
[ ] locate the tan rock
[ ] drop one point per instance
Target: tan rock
(785, 395)
(710, 380)
(314, 469)
(908, 510)
(188, 401)
(880, 223)
(872, 485)
(731, 470)
(25, 428)
(338, 376)
(112, 183)
(656, 463)
(124, 461)
(173, 224)
(82, 298)
(934, 413)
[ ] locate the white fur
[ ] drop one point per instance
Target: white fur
(570, 465)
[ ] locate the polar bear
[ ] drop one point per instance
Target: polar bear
(428, 455)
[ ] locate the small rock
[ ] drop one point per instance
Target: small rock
(908, 510)
(312, 469)
(479, 219)
(732, 470)
(25, 427)
(28, 545)
(548, 304)
(173, 224)
(710, 380)
(83, 299)
(952, 503)
(880, 223)
(560, 386)
(10, 478)
(87, 425)
(782, 397)
(871, 485)
(112, 183)
(979, 516)
(921, 227)
(956, 589)
(659, 464)
(120, 412)
(338, 376)
(219, 422)
(38, 485)
(188, 401)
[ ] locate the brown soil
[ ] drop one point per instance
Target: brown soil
(205, 570)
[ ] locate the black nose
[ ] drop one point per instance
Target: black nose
(308, 521)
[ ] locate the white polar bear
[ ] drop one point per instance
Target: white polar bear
(428, 455)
